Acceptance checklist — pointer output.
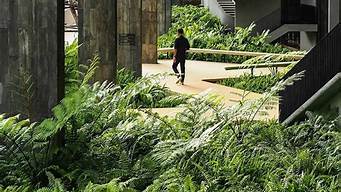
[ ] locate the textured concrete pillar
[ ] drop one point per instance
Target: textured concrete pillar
(31, 56)
(149, 31)
(97, 36)
(129, 31)
(161, 6)
(164, 10)
(168, 19)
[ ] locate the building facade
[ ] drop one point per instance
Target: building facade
(296, 23)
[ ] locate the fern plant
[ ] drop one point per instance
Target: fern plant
(22, 93)
(112, 141)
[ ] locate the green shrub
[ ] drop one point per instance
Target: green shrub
(248, 82)
(205, 31)
(99, 139)
(148, 93)
(72, 69)
(75, 146)
(262, 83)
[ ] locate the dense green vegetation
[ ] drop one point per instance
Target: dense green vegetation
(262, 83)
(248, 82)
(148, 92)
(101, 138)
(206, 31)
(105, 137)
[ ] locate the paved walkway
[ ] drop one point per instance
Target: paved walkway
(198, 72)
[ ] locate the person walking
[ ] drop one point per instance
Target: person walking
(181, 46)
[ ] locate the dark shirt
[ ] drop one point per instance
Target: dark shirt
(181, 45)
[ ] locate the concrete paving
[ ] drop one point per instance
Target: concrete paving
(198, 74)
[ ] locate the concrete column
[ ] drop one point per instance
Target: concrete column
(168, 14)
(161, 16)
(129, 51)
(97, 36)
(164, 10)
(149, 31)
(31, 57)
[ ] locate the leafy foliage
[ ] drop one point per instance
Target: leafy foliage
(205, 31)
(22, 88)
(103, 137)
(72, 68)
(248, 82)
(109, 140)
(262, 83)
(145, 92)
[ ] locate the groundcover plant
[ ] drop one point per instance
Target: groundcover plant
(248, 82)
(102, 137)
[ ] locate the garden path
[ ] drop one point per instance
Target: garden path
(197, 81)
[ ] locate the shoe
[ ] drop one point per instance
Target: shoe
(182, 79)
(178, 81)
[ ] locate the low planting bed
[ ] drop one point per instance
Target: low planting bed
(248, 82)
